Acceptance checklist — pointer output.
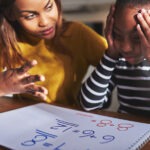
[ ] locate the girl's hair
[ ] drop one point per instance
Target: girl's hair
(123, 3)
(9, 49)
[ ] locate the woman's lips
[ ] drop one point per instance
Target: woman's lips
(47, 31)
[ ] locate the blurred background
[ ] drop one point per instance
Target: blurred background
(91, 12)
(94, 14)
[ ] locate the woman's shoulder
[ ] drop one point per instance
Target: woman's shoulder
(76, 26)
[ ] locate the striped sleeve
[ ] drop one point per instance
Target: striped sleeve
(96, 90)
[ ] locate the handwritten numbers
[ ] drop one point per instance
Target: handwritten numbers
(104, 123)
(41, 136)
(124, 126)
(29, 143)
(47, 144)
(120, 126)
(107, 139)
(63, 125)
(58, 147)
(89, 133)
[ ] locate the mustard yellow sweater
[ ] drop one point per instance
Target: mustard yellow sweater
(65, 65)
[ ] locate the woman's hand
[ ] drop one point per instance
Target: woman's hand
(112, 52)
(15, 81)
(143, 28)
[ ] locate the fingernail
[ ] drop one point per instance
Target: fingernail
(45, 91)
(138, 25)
(34, 62)
(139, 15)
(143, 10)
(42, 78)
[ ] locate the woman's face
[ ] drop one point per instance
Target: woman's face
(37, 17)
(126, 37)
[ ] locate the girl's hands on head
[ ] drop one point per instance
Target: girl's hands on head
(15, 81)
(143, 29)
(112, 52)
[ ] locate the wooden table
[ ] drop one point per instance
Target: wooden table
(7, 104)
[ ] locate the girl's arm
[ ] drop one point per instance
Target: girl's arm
(15, 81)
(96, 90)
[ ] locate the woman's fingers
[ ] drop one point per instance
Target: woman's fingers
(42, 93)
(27, 81)
(38, 91)
(28, 65)
(32, 78)
(18, 80)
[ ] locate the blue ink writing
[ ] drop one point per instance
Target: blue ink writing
(63, 124)
(107, 139)
(89, 133)
(41, 136)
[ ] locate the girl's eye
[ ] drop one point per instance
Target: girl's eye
(30, 16)
(136, 39)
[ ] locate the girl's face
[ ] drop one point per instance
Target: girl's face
(126, 38)
(37, 17)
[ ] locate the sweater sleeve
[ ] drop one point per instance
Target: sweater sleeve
(96, 90)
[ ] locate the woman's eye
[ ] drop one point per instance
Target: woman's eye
(30, 16)
(49, 7)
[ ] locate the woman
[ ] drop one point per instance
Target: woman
(34, 30)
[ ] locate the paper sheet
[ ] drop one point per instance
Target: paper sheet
(47, 127)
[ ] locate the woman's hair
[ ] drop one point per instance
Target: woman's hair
(9, 49)
(8, 43)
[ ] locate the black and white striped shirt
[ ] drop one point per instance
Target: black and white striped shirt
(132, 83)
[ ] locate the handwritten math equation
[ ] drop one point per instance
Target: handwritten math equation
(47, 138)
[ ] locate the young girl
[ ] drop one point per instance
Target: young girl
(33, 31)
(126, 63)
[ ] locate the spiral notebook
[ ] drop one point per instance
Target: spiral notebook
(47, 127)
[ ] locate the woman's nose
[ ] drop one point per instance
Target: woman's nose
(43, 20)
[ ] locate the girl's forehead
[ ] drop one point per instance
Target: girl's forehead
(126, 13)
(131, 7)
(124, 19)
